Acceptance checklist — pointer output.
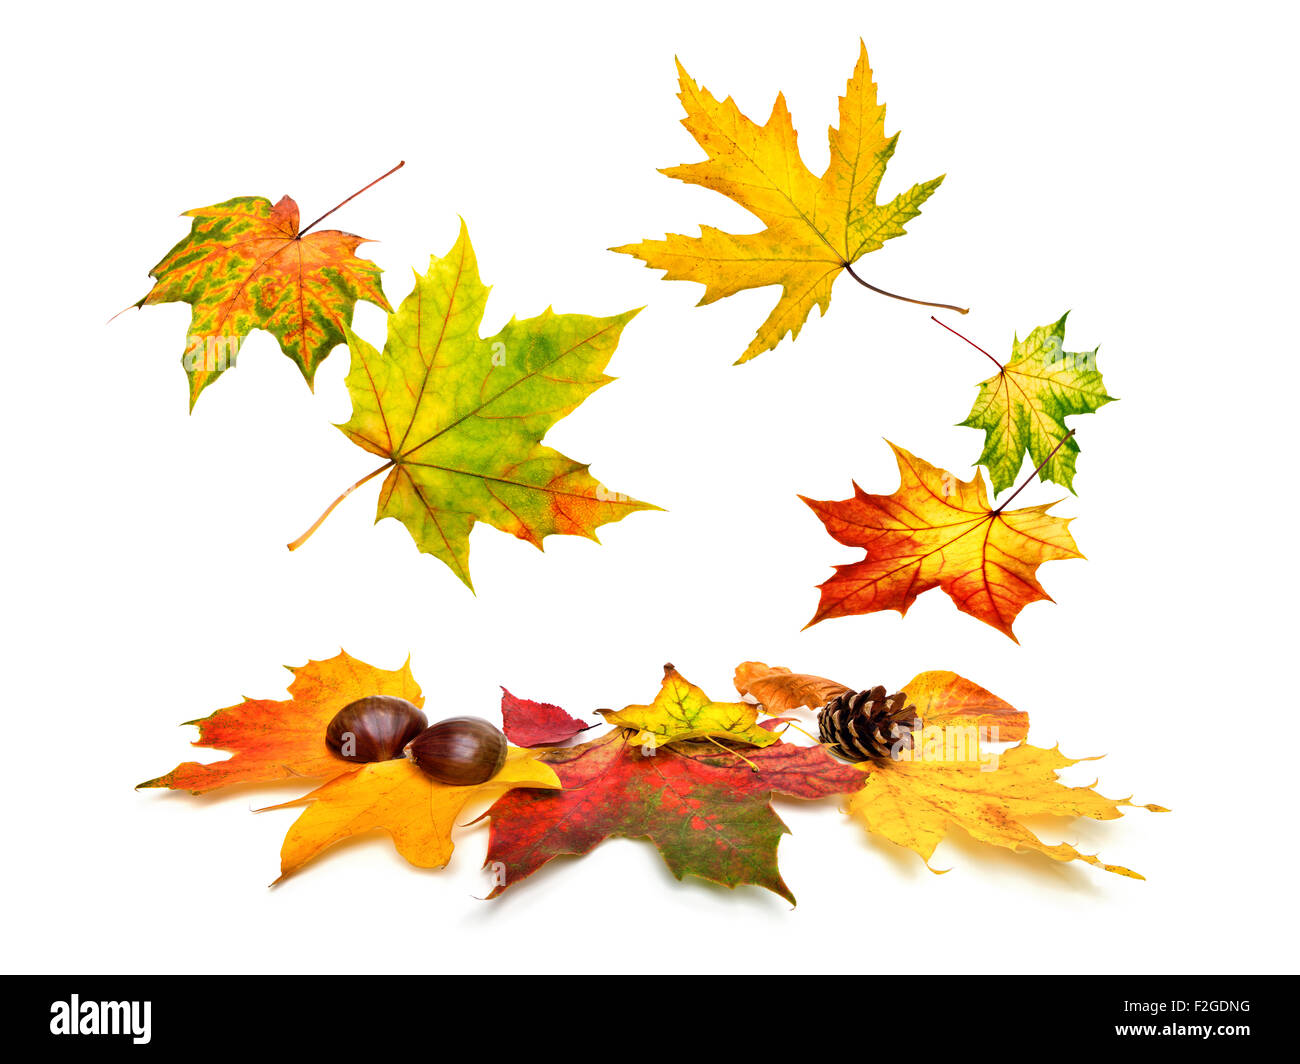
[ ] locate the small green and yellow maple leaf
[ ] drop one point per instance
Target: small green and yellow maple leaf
(245, 265)
(1023, 407)
(459, 420)
(816, 228)
(683, 711)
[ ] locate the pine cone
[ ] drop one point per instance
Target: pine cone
(864, 725)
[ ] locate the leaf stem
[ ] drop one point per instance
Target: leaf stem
(330, 509)
(733, 753)
(810, 735)
(906, 299)
(969, 341)
(354, 195)
(1037, 469)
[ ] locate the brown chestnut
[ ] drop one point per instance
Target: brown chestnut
(459, 751)
(374, 728)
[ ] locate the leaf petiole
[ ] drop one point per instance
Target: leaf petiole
(330, 509)
(1037, 469)
(973, 344)
(906, 299)
(804, 731)
(734, 753)
(302, 232)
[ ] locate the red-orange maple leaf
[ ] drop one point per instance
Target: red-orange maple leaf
(277, 740)
(938, 531)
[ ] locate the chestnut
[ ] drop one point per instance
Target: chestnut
(460, 751)
(374, 728)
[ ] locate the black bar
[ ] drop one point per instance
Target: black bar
(300, 1013)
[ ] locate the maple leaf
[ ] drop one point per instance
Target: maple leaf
(282, 740)
(458, 420)
(396, 797)
(816, 228)
(915, 803)
(706, 810)
(683, 711)
(942, 698)
(939, 531)
(528, 723)
(276, 740)
(944, 778)
(245, 265)
(1023, 407)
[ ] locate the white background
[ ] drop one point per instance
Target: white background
(1132, 163)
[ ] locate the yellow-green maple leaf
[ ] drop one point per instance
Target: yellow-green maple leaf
(458, 420)
(1023, 407)
(683, 711)
(816, 227)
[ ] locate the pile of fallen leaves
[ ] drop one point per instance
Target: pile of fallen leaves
(693, 776)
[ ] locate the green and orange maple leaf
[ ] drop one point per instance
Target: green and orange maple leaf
(915, 801)
(1022, 408)
(458, 420)
(939, 531)
(816, 228)
(245, 265)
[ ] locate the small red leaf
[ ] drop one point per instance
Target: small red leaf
(529, 723)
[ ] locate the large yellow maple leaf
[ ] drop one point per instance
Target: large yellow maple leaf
(941, 780)
(915, 803)
(815, 227)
